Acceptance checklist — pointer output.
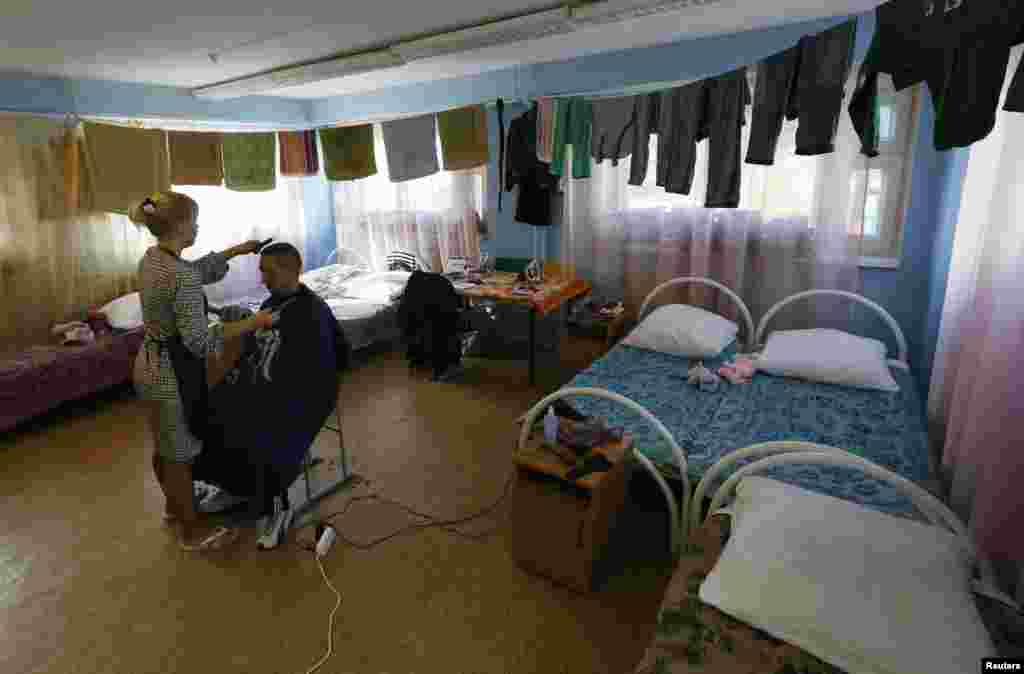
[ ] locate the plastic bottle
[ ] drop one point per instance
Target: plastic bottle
(551, 427)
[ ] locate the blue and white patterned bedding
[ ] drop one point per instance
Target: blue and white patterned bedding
(887, 428)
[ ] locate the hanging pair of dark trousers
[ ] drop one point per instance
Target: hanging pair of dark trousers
(807, 83)
(711, 109)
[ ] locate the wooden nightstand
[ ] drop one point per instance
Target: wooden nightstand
(560, 528)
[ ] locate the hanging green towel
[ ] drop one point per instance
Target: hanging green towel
(348, 152)
(463, 137)
(573, 126)
(249, 164)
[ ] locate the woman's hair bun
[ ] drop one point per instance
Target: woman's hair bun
(163, 212)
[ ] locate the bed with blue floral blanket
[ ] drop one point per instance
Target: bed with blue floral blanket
(887, 428)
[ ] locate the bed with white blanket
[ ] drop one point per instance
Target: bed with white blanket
(364, 302)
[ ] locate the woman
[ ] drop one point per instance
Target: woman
(170, 369)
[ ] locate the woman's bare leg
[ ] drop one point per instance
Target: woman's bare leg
(178, 482)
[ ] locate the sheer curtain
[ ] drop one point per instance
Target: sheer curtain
(435, 218)
(798, 226)
(975, 393)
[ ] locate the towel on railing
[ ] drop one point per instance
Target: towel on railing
(348, 152)
(249, 162)
(463, 134)
(195, 158)
(411, 147)
(298, 153)
(126, 165)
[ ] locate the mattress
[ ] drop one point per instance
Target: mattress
(886, 428)
(41, 377)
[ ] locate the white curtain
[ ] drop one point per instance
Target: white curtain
(435, 218)
(975, 398)
(798, 226)
(227, 218)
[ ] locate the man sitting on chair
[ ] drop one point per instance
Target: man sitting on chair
(269, 408)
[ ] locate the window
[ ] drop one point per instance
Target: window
(797, 186)
(227, 218)
(436, 217)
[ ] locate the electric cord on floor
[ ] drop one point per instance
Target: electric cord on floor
(330, 622)
(432, 522)
(447, 525)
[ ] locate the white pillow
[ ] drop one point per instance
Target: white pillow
(829, 356)
(865, 591)
(383, 287)
(683, 330)
(124, 313)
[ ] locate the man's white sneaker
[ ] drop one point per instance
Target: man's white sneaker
(219, 501)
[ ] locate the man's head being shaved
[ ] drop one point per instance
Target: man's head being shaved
(280, 265)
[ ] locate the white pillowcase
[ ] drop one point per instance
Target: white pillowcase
(383, 287)
(829, 356)
(124, 313)
(682, 330)
(865, 591)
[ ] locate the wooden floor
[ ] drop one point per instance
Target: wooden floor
(90, 580)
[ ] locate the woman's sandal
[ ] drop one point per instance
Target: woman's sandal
(220, 537)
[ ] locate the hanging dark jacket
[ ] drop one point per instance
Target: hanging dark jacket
(532, 176)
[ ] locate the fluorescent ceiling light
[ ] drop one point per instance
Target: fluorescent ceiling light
(519, 29)
(303, 74)
(611, 11)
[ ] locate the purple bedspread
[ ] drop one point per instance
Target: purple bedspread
(41, 377)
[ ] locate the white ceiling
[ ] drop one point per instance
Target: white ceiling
(168, 43)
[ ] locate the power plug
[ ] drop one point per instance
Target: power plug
(325, 541)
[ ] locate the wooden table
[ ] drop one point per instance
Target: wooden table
(548, 296)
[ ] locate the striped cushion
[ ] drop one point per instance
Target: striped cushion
(401, 260)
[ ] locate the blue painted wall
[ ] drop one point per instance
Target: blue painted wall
(913, 294)
(126, 99)
(942, 252)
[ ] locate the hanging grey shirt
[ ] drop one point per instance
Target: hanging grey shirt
(613, 129)
(411, 148)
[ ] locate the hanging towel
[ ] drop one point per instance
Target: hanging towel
(126, 164)
(411, 148)
(195, 158)
(545, 128)
(298, 153)
(249, 162)
(573, 126)
(33, 130)
(559, 135)
(613, 129)
(463, 134)
(348, 152)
